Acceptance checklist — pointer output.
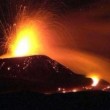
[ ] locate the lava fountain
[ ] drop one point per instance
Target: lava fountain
(25, 41)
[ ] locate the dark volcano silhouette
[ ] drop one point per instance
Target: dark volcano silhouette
(37, 73)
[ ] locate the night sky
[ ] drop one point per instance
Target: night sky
(76, 33)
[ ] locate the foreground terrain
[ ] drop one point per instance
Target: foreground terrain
(70, 101)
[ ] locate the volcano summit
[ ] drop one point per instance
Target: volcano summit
(38, 73)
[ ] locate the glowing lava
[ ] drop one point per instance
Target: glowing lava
(22, 47)
(95, 80)
(25, 41)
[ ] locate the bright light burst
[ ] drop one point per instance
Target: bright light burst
(25, 42)
(22, 47)
(95, 80)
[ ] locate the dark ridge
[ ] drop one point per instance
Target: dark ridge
(38, 73)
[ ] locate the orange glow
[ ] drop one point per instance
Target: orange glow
(95, 80)
(25, 41)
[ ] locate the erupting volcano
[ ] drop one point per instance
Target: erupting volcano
(27, 63)
(54, 54)
(24, 70)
